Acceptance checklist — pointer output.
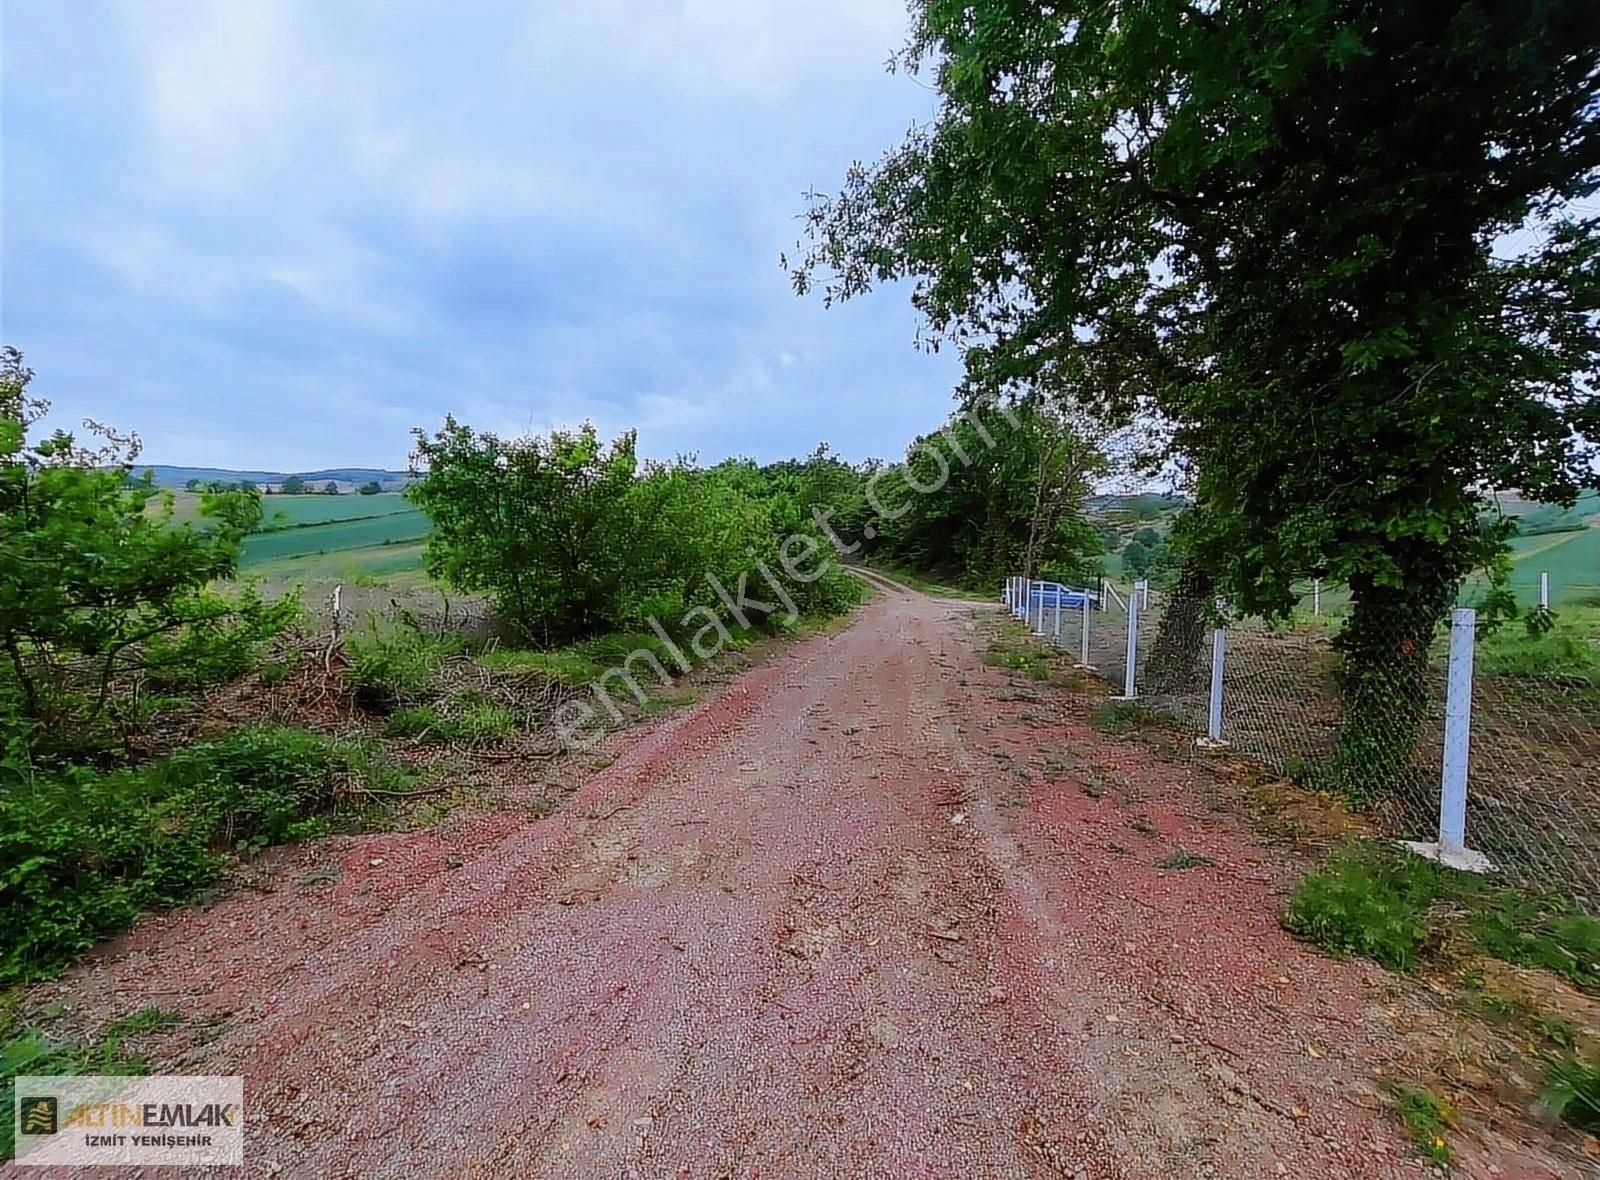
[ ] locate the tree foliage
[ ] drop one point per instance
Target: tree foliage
(1329, 247)
(981, 497)
(572, 537)
(100, 585)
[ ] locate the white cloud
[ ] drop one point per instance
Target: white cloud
(223, 79)
(722, 48)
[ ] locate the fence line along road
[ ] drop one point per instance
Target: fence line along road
(1504, 768)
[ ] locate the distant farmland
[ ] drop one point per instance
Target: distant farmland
(316, 536)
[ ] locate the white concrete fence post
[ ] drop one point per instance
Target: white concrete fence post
(1083, 636)
(1058, 615)
(1451, 848)
(1213, 739)
(1316, 596)
(1128, 692)
(1544, 590)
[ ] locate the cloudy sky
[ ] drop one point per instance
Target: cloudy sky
(280, 234)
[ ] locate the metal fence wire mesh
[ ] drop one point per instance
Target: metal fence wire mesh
(1533, 768)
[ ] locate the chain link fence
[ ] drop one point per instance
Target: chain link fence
(1527, 715)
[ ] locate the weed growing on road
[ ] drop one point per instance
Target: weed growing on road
(1016, 658)
(1117, 718)
(1184, 859)
(1427, 1119)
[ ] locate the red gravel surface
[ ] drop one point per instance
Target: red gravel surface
(844, 919)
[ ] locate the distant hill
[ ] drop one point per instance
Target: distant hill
(348, 478)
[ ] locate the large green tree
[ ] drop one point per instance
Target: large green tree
(982, 497)
(1331, 248)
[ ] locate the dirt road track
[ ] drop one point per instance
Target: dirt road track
(874, 910)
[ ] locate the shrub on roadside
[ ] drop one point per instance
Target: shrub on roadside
(99, 582)
(84, 851)
(574, 538)
(1573, 1091)
(395, 665)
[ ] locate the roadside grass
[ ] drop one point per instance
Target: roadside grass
(929, 584)
(1394, 908)
(28, 1051)
(86, 851)
(578, 664)
(1015, 654)
(395, 665)
(1400, 909)
(1117, 718)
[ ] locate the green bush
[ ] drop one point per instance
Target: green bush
(99, 581)
(572, 538)
(83, 852)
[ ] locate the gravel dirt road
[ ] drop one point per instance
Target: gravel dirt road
(872, 910)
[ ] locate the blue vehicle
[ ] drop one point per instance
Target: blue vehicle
(1050, 594)
(1047, 595)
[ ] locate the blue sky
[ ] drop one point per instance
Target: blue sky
(280, 234)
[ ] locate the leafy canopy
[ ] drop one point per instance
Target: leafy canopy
(1290, 232)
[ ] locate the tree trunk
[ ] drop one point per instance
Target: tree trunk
(1177, 660)
(1383, 679)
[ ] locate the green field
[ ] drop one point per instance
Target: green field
(290, 511)
(384, 540)
(373, 561)
(1571, 559)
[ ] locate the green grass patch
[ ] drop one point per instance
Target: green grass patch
(288, 512)
(579, 663)
(1565, 658)
(1427, 1119)
(1183, 859)
(31, 1052)
(392, 665)
(85, 851)
(1388, 906)
(1117, 718)
(1016, 658)
(333, 537)
(357, 566)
